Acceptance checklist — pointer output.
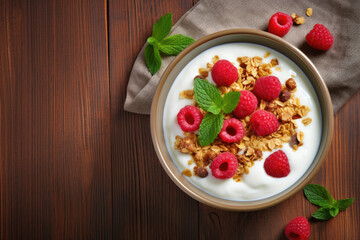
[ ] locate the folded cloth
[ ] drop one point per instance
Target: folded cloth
(339, 66)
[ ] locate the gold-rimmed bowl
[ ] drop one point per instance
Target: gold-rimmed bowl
(246, 36)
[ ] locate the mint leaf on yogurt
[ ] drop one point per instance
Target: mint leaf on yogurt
(210, 127)
(171, 45)
(231, 100)
(208, 96)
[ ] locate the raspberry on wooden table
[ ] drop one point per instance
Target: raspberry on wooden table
(264, 123)
(267, 88)
(298, 229)
(247, 104)
(232, 131)
(320, 38)
(189, 118)
(280, 24)
(277, 164)
(224, 73)
(224, 165)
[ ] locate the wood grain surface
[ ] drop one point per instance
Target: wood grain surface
(55, 173)
(75, 165)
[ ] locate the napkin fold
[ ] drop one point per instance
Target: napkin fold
(339, 66)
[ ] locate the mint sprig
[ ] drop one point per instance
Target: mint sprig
(329, 207)
(209, 99)
(158, 42)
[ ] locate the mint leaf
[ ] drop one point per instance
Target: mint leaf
(152, 59)
(343, 203)
(162, 27)
(318, 195)
(174, 44)
(330, 208)
(334, 211)
(322, 214)
(152, 41)
(231, 100)
(208, 96)
(210, 127)
(214, 109)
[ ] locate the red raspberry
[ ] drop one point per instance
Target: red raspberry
(267, 88)
(280, 24)
(320, 37)
(247, 104)
(264, 123)
(189, 118)
(277, 164)
(232, 131)
(224, 165)
(224, 73)
(298, 228)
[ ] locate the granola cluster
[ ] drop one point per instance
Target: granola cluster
(301, 20)
(286, 108)
(297, 19)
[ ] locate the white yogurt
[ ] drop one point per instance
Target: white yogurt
(257, 184)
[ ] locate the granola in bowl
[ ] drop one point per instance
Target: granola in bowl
(286, 107)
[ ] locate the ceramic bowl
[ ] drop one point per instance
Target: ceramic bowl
(248, 36)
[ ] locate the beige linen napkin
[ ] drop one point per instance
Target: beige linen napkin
(339, 66)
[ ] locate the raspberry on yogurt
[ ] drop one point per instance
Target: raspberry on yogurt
(224, 73)
(189, 118)
(267, 88)
(264, 122)
(224, 165)
(277, 164)
(247, 104)
(232, 131)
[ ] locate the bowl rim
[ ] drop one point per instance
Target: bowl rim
(327, 114)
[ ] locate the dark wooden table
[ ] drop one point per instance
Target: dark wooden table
(75, 165)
